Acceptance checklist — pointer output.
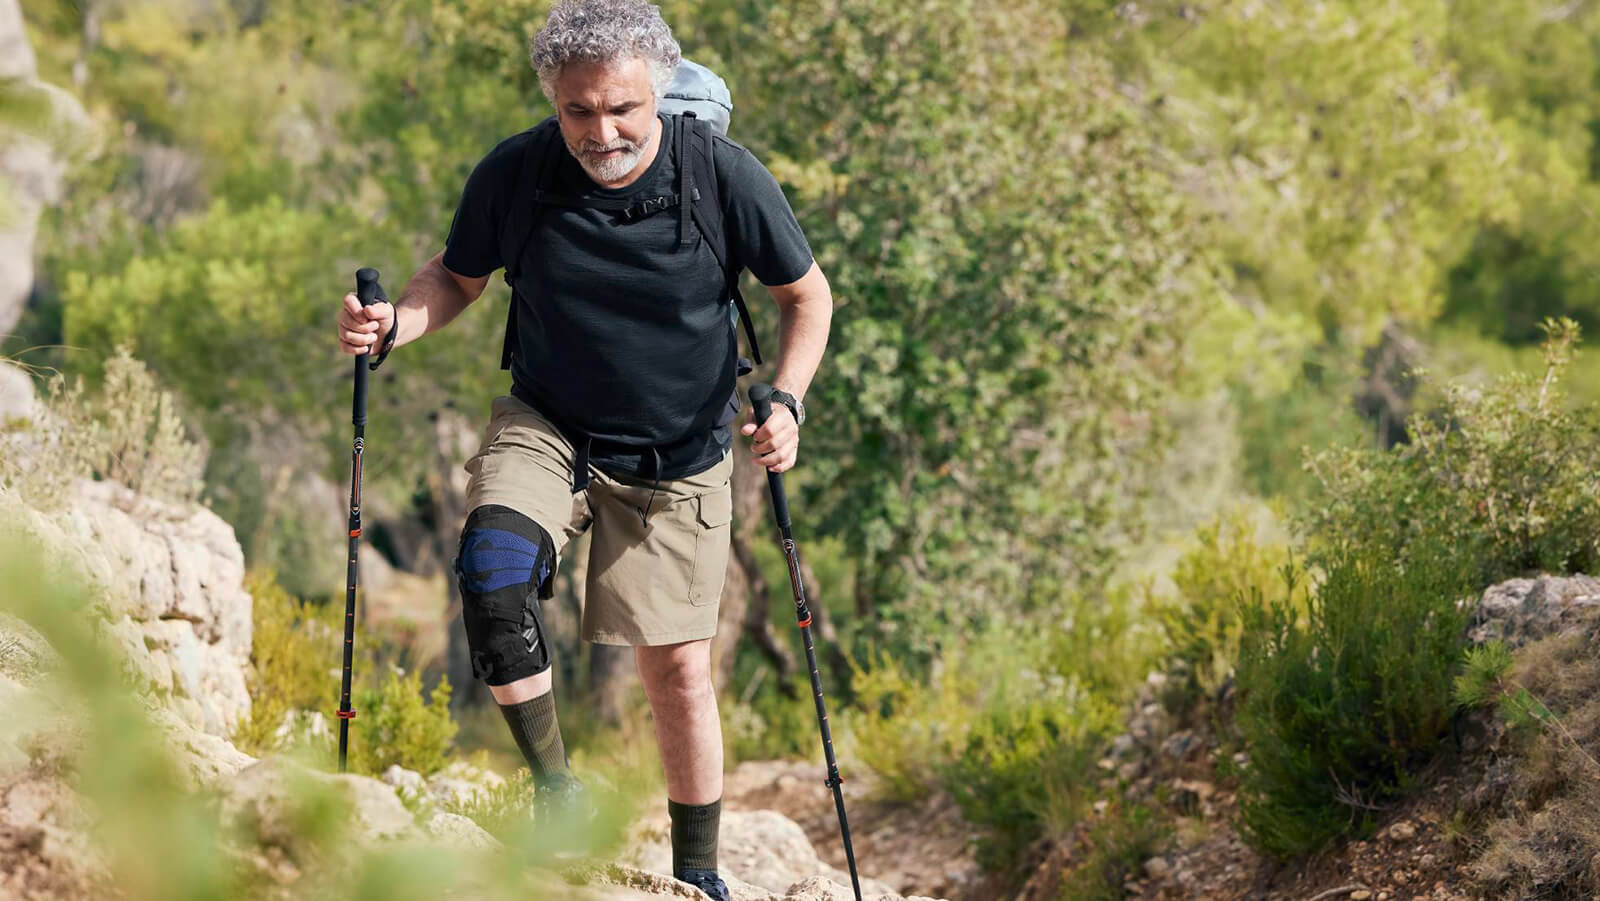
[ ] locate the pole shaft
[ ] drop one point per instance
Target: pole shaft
(368, 291)
(761, 401)
(352, 576)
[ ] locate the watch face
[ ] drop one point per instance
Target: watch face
(799, 413)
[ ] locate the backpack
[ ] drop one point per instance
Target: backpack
(700, 100)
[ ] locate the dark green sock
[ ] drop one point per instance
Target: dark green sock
(533, 725)
(694, 835)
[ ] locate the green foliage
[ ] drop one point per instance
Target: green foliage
(1507, 478)
(1030, 770)
(1203, 623)
(1016, 290)
(1342, 168)
(295, 670)
(397, 725)
(1009, 722)
(500, 809)
(1341, 702)
(293, 652)
(773, 725)
(1482, 672)
(1121, 840)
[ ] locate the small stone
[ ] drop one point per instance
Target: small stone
(1383, 896)
(1402, 831)
(1360, 894)
(1428, 860)
(1157, 868)
(1402, 877)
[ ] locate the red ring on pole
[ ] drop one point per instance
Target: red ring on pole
(347, 714)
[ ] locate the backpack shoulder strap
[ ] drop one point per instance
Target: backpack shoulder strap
(534, 178)
(698, 163)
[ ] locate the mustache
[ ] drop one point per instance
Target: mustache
(619, 144)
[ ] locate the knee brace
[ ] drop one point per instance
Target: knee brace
(505, 566)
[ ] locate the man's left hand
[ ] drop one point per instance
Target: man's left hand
(776, 444)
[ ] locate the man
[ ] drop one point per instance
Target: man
(623, 361)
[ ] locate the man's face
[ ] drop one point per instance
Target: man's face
(608, 118)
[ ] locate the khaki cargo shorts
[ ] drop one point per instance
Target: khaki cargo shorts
(649, 583)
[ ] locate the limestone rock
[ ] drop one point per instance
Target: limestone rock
(268, 799)
(205, 759)
(817, 888)
(1519, 611)
(456, 831)
(408, 784)
(24, 654)
(461, 783)
(17, 397)
(761, 847)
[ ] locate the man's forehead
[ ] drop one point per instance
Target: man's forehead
(608, 83)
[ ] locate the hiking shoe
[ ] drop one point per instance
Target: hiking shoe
(563, 817)
(706, 881)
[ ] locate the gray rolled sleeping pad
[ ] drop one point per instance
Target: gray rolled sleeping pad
(699, 90)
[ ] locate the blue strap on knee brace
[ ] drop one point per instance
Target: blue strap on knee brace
(505, 566)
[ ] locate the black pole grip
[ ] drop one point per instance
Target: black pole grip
(761, 401)
(367, 291)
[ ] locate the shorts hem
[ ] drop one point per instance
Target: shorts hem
(648, 639)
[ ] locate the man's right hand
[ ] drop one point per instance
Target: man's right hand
(361, 329)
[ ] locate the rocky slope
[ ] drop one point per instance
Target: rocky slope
(1429, 847)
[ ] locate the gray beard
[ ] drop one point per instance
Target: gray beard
(616, 168)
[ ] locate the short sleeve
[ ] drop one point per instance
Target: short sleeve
(761, 225)
(473, 247)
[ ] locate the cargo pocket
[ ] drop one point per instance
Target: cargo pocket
(713, 513)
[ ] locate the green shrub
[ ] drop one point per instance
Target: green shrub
(1506, 478)
(1341, 703)
(1482, 673)
(1202, 624)
(397, 726)
(294, 658)
(1029, 771)
(904, 728)
(1120, 841)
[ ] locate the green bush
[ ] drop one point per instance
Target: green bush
(1010, 721)
(397, 726)
(1120, 841)
(1341, 703)
(295, 669)
(294, 654)
(1506, 478)
(1202, 624)
(1029, 771)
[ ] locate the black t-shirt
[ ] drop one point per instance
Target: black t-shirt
(622, 334)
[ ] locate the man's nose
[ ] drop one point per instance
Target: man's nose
(606, 130)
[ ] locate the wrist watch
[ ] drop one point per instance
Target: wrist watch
(793, 403)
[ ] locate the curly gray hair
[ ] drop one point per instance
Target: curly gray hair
(604, 31)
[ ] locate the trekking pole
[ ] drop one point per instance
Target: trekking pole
(368, 291)
(761, 400)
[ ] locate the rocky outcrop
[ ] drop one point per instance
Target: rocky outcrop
(1524, 610)
(32, 161)
(169, 583)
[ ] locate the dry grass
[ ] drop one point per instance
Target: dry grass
(1544, 841)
